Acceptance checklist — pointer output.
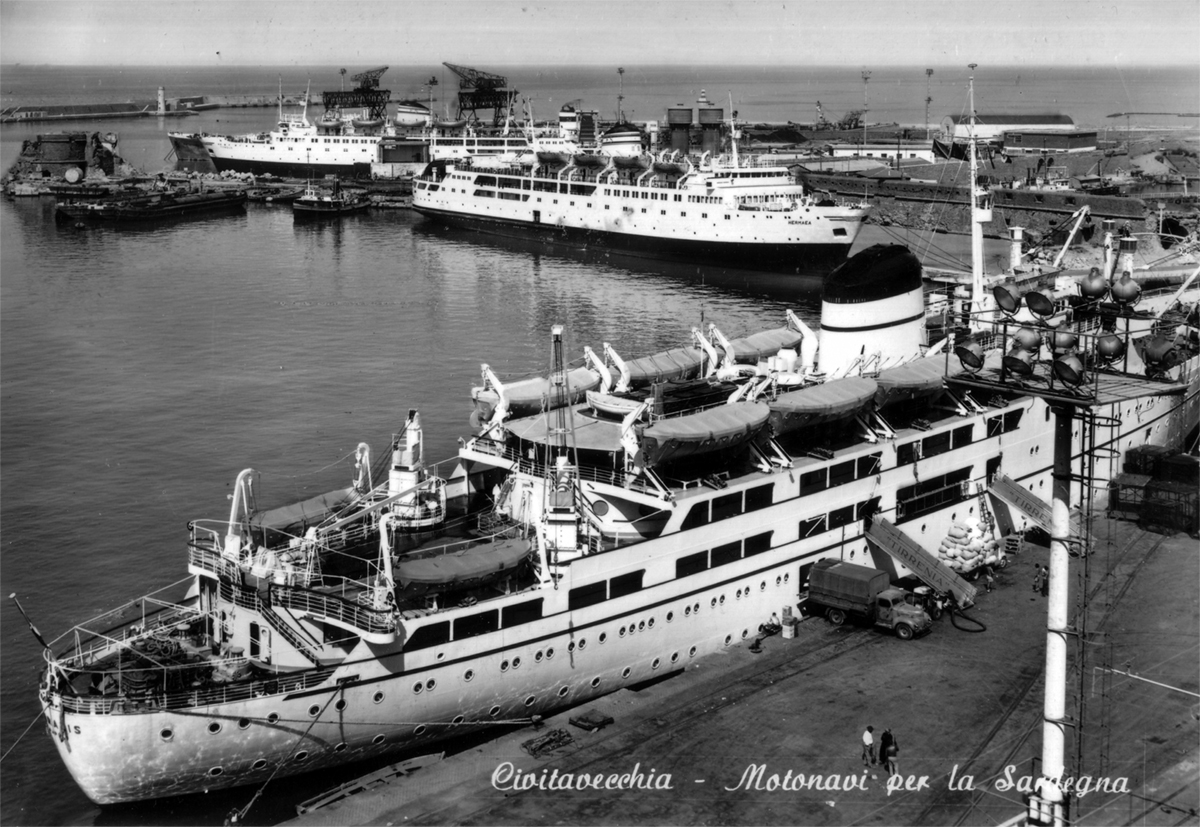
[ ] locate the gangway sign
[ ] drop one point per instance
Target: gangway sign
(928, 568)
(1028, 503)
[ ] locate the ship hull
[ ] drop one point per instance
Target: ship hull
(784, 257)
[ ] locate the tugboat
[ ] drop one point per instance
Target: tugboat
(317, 203)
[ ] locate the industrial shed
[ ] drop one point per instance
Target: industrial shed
(991, 127)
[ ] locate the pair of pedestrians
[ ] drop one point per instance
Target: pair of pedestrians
(889, 748)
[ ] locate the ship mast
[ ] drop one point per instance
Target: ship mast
(981, 208)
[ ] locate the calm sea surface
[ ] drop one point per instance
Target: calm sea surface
(142, 369)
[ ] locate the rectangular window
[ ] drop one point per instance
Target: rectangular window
(759, 497)
(1012, 420)
(842, 473)
(431, 634)
(995, 425)
(692, 564)
(583, 596)
(698, 516)
(726, 506)
(728, 553)
(841, 516)
(811, 526)
(993, 465)
(907, 453)
(962, 436)
(479, 624)
(813, 481)
(868, 509)
(526, 612)
(936, 444)
(625, 584)
(757, 544)
(869, 465)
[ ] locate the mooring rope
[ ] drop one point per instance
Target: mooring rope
(23, 734)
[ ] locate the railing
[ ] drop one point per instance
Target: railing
(604, 476)
(207, 696)
(320, 604)
(212, 562)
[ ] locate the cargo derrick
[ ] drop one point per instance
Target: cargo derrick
(366, 95)
(482, 90)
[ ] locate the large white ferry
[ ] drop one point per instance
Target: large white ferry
(677, 518)
(752, 213)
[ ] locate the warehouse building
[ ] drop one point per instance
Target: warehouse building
(992, 127)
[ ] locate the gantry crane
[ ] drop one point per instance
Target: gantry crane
(482, 90)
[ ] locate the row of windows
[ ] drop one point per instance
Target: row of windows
(329, 140)
(838, 517)
(1004, 423)
(653, 196)
(932, 494)
(722, 555)
(931, 446)
(584, 596)
(832, 476)
(729, 505)
(434, 634)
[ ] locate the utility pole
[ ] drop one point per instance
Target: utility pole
(866, 76)
(928, 100)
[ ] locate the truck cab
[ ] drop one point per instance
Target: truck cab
(841, 589)
(896, 609)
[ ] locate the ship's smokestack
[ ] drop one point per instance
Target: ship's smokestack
(1128, 249)
(162, 101)
(872, 306)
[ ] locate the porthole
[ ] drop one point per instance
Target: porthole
(562, 691)
(582, 643)
(430, 684)
(302, 755)
(340, 747)
(600, 508)
(441, 656)
(537, 657)
(722, 601)
(273, 718)
(654, 664)
(696, 608)
(923, 527)
(595, 682)
(469, 675)
(243, 723)
(851, 554)
(728, 639)
(674, 657)
(420, 730)
(687, 611)
(642, 626)
(650, 623)
(340, 704)
(550, 651)
(166, 733)
(670, 616)
(953, 515)
(261, 763)
(625, 672)
(971, 510)
(378, 739)
(503, 666)
(778, 580)
(785, 577)
(692, 652)
(417, 687)
(713, 603)
(745, 633)
(214, 727)
(458, 719)
(738, 596)
(215, 771)
(571, 646)
(516, 663)
(531, 700)
(762, 587)
(377, 697)
(603, 637)
(494, 711)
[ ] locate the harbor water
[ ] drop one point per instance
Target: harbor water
(142, 369)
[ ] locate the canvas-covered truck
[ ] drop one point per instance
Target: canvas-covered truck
(845, 590)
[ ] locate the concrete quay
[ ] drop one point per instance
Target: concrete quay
(965, 709)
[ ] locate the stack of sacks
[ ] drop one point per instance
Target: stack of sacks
(967, 547)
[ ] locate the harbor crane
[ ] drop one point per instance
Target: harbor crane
(365, 95)
(482, 90)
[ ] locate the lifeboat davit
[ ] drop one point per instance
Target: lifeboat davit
(532, 396)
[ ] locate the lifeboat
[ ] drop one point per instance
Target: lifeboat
(459, 124)
(677, 363)
(532, 396)
(367, 123)
(584, 159)
(917, 379)
(411, 113)
(820, 403)
(631, 161)
(470, 566)
(760, 346)
(714, 429)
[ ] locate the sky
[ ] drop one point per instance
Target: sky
(600, 32)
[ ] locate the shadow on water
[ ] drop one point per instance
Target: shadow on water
(786, 287)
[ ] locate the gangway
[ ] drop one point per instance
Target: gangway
(931, 571)
(1032, 506)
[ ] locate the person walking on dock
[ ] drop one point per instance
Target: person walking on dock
(1045, 575)
(868, 752)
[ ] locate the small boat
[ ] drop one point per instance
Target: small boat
(816, 404)
(317, 203)
(714, 429)
(274, 195)
(528, 396)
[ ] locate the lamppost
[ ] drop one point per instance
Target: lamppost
(866, 76)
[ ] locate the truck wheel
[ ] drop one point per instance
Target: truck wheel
(936, 614)
(904, 631)
(837, 617)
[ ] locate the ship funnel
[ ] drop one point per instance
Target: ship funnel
(872, 304)
(1127, 250)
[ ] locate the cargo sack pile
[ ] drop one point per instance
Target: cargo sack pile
(968, 547)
